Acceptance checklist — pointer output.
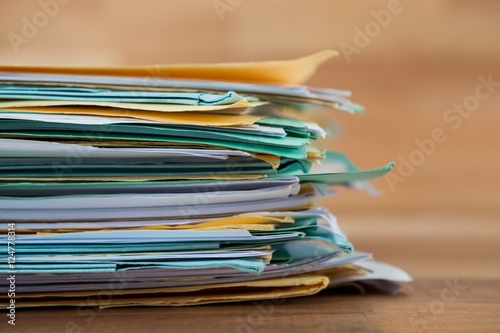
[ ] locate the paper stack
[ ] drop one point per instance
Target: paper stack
(173, 185)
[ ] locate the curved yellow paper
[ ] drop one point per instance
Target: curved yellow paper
(295, 71)
(277, 288)
(184, 118)
(235, 108)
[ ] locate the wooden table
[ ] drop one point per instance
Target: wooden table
(435, 248)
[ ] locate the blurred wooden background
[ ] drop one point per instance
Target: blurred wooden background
(424, 59)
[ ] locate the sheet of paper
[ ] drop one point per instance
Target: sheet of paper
(138, 257)
(25, 92)
(295, 150)
(34, 148)
(221, 223)
(257, 128)
(129, 130)
(248, 265)
(191, 211)
(159, 200)
(187, 211)
(237, 108)
(185, 118)
(294, 71)
(344, 177)
(183, 296)
(26, 189)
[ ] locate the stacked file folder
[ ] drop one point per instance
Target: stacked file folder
(173, 185)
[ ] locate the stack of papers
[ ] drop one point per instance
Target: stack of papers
(173, 185)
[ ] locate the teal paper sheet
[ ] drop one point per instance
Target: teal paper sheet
(25, 92)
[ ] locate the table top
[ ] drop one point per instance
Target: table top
(456, 288)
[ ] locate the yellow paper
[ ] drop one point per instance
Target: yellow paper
(252, 223)
(180, 118)
(273, 160)
(295, 71)
(291, 286)
(236, 108)
(346, 270)
(230, 221)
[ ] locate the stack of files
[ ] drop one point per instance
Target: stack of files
(173, 185)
